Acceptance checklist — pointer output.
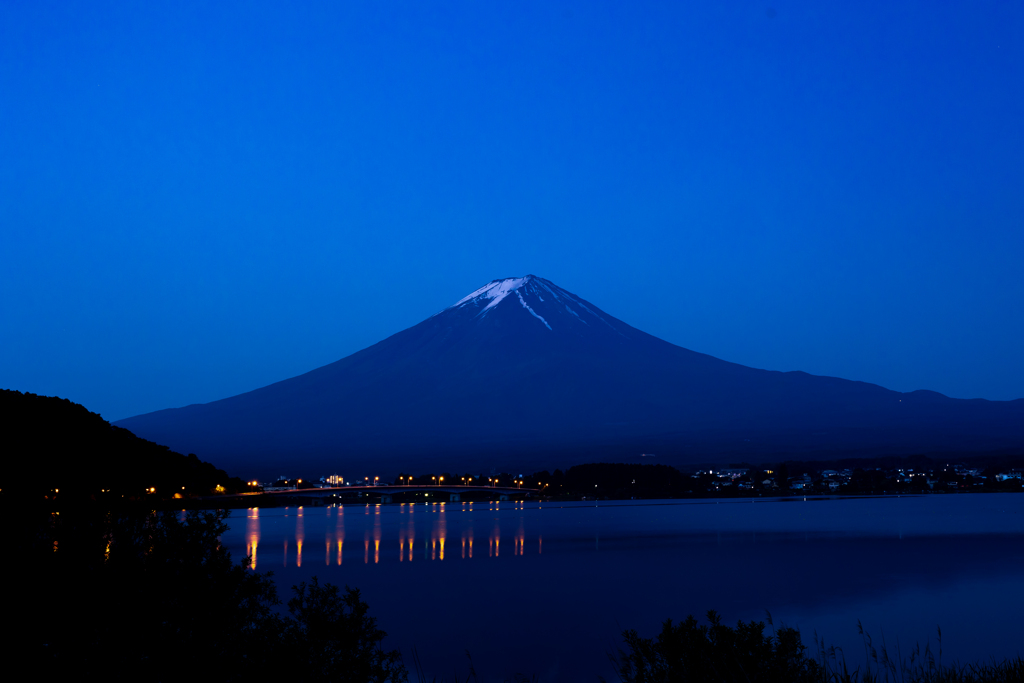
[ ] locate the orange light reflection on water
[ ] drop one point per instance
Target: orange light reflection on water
(300, 535)
(433, 529)
(252, 533)
(339, 530)
(376, 535)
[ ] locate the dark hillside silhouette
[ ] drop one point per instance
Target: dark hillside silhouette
(52, 445)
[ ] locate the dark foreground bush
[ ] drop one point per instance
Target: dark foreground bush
(153, 596)
(688, 651)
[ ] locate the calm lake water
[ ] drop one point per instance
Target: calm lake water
(547, 589)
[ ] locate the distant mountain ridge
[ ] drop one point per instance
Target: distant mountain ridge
(521, 372)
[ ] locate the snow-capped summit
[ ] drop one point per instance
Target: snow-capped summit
(542, 299)
(494, 291)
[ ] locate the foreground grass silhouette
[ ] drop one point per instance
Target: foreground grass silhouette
(714, 652)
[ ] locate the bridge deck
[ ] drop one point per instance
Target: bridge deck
(385, 489)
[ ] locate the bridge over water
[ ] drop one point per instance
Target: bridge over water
(387, 492)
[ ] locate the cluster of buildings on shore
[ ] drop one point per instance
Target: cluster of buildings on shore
(728, 481)
(948, 478)
(284, 483)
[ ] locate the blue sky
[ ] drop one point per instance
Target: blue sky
(197, 199)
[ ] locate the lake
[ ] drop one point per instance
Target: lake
(548, 588)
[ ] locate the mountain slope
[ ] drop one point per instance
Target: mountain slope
(522, 371)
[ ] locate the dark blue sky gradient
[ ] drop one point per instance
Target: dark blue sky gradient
(197, 199)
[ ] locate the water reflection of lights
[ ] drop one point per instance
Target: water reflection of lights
(376, 536)
(381, 528)
(252, 533)
(410, 533)
(300, 536)
(401, 549)
(441, 530)
(339, 530)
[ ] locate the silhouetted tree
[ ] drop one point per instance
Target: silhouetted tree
(688, 652)
(331, 638)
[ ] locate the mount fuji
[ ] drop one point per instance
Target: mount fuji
(522, 373)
